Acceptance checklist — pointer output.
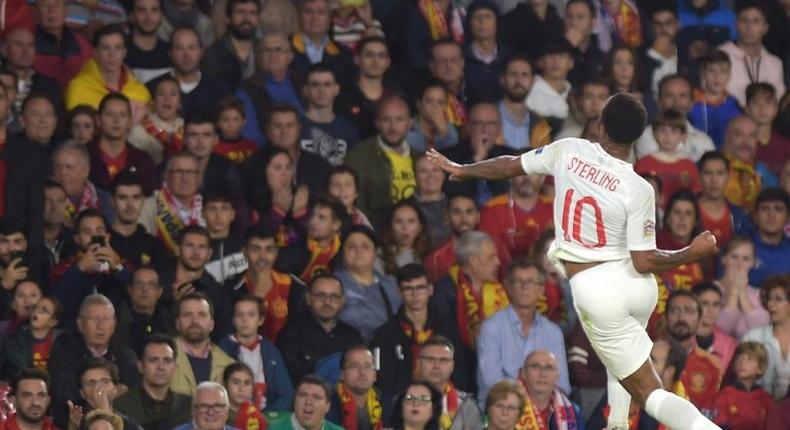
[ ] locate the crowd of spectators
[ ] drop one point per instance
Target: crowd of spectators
(218, 214)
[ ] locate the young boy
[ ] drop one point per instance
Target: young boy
(741, 405)
(30, 345)
(762, 105)
(676, 171)
(227, 259)
(243, 413)
(272, 389)
(342, 184)
(230, 120)
(713, 107)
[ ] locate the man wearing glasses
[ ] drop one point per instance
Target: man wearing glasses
(546, 404)
(327, 335)
(209, 408)
(459, 409)
(508, 336)
(399, 340)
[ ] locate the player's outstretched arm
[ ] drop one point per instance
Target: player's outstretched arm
(503, 167)
(658, 260)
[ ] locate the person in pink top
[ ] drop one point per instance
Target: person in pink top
(719, 344)
(741, 308)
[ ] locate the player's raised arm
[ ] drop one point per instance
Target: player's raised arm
(502, 167)
(659, 260)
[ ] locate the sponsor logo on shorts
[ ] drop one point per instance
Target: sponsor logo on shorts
(650, 228)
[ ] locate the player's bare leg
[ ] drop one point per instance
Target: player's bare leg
(667, 408)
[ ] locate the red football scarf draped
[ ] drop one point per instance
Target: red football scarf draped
(417, 337)
(249, 418)
(626, 24)
(319, 257)
(532, 419)
(168, 221)
(473, 308)
(349, 408)
(743, 184)
(88, 199)
(276, 303)
(455, 111)
(171, 142)
(437, 22)
(450, 405)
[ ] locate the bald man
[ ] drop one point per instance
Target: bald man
(386, 152)
(740, 144)
(539, 378)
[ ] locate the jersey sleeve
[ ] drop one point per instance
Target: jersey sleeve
(641, 218)
(542, 160)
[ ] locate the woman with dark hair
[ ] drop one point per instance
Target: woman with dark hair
(405, 236)
(623, 73)
(418, 408)
(371, 297)
(82, 124)
(681, 223)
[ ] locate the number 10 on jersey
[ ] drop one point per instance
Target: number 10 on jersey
(577, 206)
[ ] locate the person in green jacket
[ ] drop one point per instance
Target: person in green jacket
(311, 404)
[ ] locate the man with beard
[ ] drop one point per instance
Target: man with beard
(700, 377)
(521, 127)
(355, 403)
(30, 391)
(145, 312)
(232, 56)
(146, 53)
(220, 175)
(197, 358)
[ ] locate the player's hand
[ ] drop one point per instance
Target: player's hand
(455, 170)
(704, 245)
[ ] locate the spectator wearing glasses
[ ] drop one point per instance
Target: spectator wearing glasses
(504, 405)
(210, 408)
(418, 407)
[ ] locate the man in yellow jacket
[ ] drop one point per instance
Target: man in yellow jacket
(106, 73)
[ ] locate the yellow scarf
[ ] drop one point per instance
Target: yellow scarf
(743, 184)
(319, 257)
(349, 408)
(472, 309)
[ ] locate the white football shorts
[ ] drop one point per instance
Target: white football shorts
(614, 303)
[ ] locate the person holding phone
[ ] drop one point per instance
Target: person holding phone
(96, 267)
(13, 247)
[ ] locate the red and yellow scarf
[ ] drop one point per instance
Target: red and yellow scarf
(626, 23)
(349, 408)
(171, 142)
(319, 257)
(88, 199)
(455, 111)
(276, 313)
(743, 184)
(532, 419)
(417, 338)
(249, 418)
(473, 308)
(168, 221)
(437, 21)
(299, 44)
(450, 404)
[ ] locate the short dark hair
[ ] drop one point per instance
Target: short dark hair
(462, 195)
(252, 298)
(156, 339)
(259, 231)
(38, 95)
(669, 78)
(318, 68)
(107, 30)
(518, 57)
(196, 296)
(588, 3)
(338, 210)
(324, 276)
(115, 97)
(664, 6)
(671, 118)
(760, 89)
(712, 156)
(234, 367)
(280, 108)
(230, 102)
(57, 311)
(773, 194)
(342, 170)
(703, 287)
(410, 272)
(29, 373)
(761, 6)
(365, 41)
(350, 348)
(217, 197)
(88, 213)
(684, 293)
(200, 117)
(93, 363)
(623, 118)
(232, 3)
(557, 46)
(716, 56)
(444, 41)
(180, 28)
(193, 229)
(439, 340)
(365, 231)
(315, 380)
(521, 263)
(162, 79)
(126, 178)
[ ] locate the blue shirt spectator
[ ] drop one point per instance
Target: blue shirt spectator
(771, 246)
(368, 307)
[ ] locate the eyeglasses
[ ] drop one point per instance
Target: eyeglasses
(322, 297)
(510, 409)
(414, 288)
(212, 408)
(419, 400)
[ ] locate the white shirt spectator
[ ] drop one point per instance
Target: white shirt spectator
(545, 101)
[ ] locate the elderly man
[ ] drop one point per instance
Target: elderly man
(471, 284)
(210, 408)
(313, 45)
(674, 92)
(511, 334)
(384, 164)
(152, 403)
(273, 82)
(177, 204)
(435, 365)
(197, 358)
(52, 35)
(355, 403)
(71, 169)
(95, 328)
(546, 403)
(485, 129)
(311, 405)
(747, 175)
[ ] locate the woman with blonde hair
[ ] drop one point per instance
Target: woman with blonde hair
(504, 406)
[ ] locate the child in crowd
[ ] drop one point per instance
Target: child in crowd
(713, 107)
(161, 132)
(243, 411)
(342, 184)
(742, 405)
(271, 387)
(668, 163)
(352, 21)
(24, 297)
(230, 120)
(31, 345)
(762, 105)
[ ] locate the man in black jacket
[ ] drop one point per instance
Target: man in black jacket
(232, 56)
(145, 312)
(220, 175)
(328, 336)
(400, 338)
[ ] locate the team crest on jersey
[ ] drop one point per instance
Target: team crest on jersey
(650, 228)
(539, 150)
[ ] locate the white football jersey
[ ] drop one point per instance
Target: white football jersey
(602, 208)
